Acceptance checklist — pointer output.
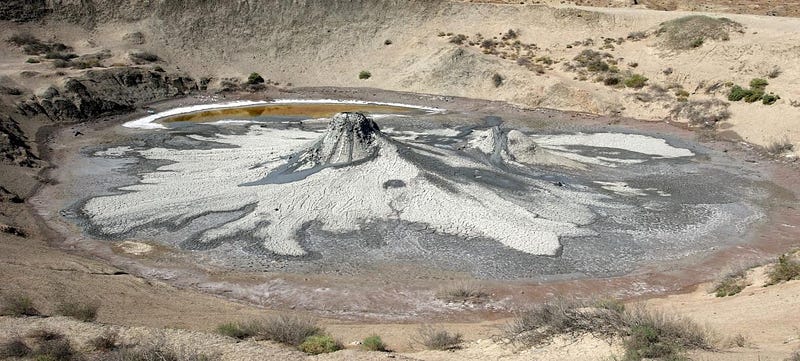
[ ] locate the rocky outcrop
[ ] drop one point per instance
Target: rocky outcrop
(106, 92)
(23, 10)
(14, 147)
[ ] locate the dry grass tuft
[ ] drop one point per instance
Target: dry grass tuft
(438, 339)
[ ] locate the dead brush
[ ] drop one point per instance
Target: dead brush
(560, 316)
(462, 293)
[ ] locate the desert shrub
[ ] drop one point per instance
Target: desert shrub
(705, 113)
(11, 91)
(780, 146)
(635, 81)
(14, 347)
(437, 339)
(738, 93)
(50, 345)
(754, 96)
(731, 283)
(769, 99)
(511, 34)
(238, 330)
(18, 305)
(60, 63)
(158, 69)
(458, 39)
(319, 344)
(758, 83)
(387, 42)
(32, 61)
(255, 78)
(497, 80)
(795, 356)
(462, 292)
(637, 35)
(559, 316)
(692, 31)
(364, 74)
(22, 39)
(59, 55)
(286, 329)
(611, 81)
(774, 73)
(106, 342)
(739, 340)
(546, 60)
(611, 304)
(156, 352)
(661, 336)
(373, 343)
(86, 312)
(144, 57)
(488, 44)
(786, 269)
(696, 43)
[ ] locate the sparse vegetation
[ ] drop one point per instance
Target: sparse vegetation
(787, 269)
(18, 305)
(731, 283)
(86, 312)
(458, 39)
(319, 344)
(373, 343)
(774, 73)
(646, 334)
(155, 352)
(51, 346)
(437, 339)
(637, 35)
(237, 330)
(497, 80)
(255, 78)
(636, 81)
(756, 92)
(286, 329)
(705, 113)
(795, 356)
(693, 31)
(14, 347)
(144, 57)
(108, 341)
(463, 292)
(364, 75)
(564, 317)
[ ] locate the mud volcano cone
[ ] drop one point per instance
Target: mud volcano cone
(350, 137)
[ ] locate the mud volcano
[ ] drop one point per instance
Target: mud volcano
(496, 202)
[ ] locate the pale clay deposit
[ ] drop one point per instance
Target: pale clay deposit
(352, 174)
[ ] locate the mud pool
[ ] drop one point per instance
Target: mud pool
(284, 187)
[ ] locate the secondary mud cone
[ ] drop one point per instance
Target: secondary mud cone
(350, 137)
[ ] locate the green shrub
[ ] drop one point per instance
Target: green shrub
(635, 81)
(236, 330)
(661, 336)
(738, 93)
(373, 343)
(319, 344)
(255, 78)
(769, 99)
(364, 75)
(86, 312)
(754, 96)
(436, 339)
(758, 83)
(786, 269)
(18, 305)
